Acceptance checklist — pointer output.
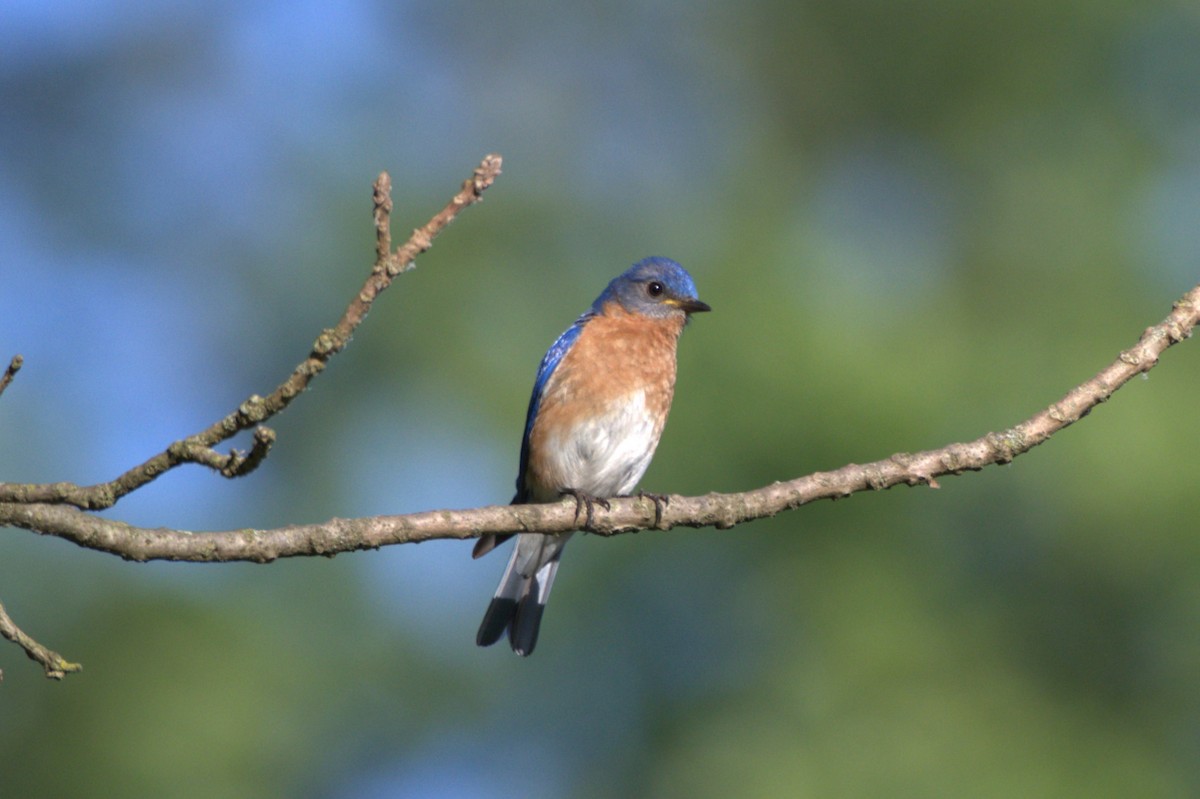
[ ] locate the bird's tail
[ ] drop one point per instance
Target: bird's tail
(520, 598)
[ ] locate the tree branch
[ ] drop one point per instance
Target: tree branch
(14, 366)
(628, 514)
(60, 509)
(55, 665)
(198, 448)
(58, 505)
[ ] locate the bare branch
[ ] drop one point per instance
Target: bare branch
(240, 465)
(627, 514)
(59, 509)
(198, 448)
(14, 366)
(55, 665)
(383, 215)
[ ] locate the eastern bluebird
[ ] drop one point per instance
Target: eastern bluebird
(598, 408)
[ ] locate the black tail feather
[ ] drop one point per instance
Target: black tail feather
(520, 599)
(499, 616)
(523, 632)
(521, 620)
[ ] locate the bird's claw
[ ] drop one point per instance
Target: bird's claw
(585, 500)
(660, 501)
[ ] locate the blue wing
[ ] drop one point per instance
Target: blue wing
(550, 362)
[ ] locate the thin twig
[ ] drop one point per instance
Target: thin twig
(198, 448)
(240, 465)
(627, 514)
(55, 665)
(14, 366)
(383, 215)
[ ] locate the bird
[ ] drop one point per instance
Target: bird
(599, 404)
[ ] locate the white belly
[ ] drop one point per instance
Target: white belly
(607, 455)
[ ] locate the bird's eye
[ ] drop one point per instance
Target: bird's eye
(654, 288)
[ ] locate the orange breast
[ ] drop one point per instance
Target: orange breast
(602, 410)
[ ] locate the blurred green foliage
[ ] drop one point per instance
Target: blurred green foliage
(916, 222)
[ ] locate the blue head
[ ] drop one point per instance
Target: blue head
(656, 287)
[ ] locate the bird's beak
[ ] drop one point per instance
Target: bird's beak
(690, 306)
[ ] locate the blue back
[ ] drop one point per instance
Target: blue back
(549, 363)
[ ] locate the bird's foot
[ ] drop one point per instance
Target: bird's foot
(585, 500)
(660, 501)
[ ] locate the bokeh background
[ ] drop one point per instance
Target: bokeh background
(916, 222)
